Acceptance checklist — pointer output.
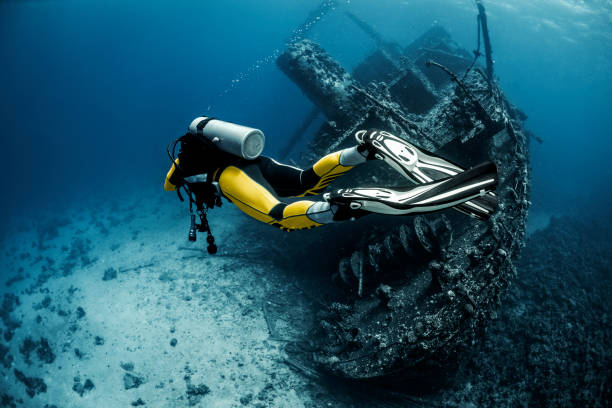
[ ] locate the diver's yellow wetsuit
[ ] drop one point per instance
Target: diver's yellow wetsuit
(255, 186)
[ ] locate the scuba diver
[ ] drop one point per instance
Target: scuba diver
(221, 159)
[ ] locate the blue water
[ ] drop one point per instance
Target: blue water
(93, 91)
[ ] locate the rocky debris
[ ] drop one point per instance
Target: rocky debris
(43, 276)
(266, 394)
(44, 304)
(9, 304)
(71, 291)
(167, 276)
(97, 222)
(79, 354)
(99, 341)
(139, 402)
(109, 274)
(132, 381)
(80, 312)
(17, 278)
(129, 366)
(5, 358)
(7, 401)
(48, 230)
(554, 327)
(42, 348)
(44, 352)
(246, 400)
(441, 276)
(195, 393)
(78, 255)
(33, 385)
(82, 388)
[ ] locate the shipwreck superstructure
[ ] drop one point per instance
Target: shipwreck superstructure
(422, 286)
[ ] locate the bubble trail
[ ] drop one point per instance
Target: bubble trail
(297, 34)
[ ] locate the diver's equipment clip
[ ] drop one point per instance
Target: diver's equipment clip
(192, 229)
(203, 226)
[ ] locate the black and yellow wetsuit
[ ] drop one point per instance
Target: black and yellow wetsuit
(256, 186)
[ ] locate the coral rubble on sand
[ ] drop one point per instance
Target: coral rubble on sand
(549, 345)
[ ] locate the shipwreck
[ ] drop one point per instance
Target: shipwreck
(413, 290)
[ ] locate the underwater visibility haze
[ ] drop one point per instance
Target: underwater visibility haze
(108, 301)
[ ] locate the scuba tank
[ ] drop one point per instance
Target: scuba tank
(238, 140)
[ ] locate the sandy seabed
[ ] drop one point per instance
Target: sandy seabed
(107, 304)
(134, 314)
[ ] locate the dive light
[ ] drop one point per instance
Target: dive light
(192, 229)
(202, 227)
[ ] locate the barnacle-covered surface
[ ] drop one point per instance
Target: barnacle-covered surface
(418, 287)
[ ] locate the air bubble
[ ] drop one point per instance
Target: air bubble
(296, 35)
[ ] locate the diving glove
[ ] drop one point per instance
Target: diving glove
(424, 198)
(420, 166)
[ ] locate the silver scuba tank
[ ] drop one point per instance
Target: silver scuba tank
(238, 140)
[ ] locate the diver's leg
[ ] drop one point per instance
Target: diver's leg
(243, 188)
(424, 198)
(328, 168)
(289, 181)
(419, 166)
(258, 202)
(304, 214)
(284, 179)
(247, 194)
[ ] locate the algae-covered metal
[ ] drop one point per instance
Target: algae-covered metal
(420, 287)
